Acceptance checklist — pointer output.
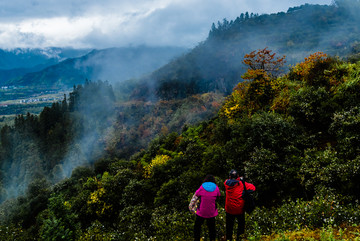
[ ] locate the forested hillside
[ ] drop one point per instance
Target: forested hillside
(104, 164)
(216, 63)
(87, 125)
(296, 137)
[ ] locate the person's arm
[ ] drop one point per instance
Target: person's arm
(250, 187)
(197, 192)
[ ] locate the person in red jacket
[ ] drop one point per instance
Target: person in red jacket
(234, 203)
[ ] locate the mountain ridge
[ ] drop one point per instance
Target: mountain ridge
(216, 63)
(17, 62)
(112, 64)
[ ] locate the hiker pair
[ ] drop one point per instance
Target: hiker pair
(238, 200)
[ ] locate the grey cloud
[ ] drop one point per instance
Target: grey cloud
(166, 22)
(22, 9)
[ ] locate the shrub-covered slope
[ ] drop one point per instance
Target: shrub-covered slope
(296, 137)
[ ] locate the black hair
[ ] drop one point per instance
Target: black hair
(209, 178)
(233, 174)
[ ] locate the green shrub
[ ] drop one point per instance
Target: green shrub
(346, 127)
(312, 107)
(134, 223)
(12, 232)
(58, 222)
(97, 231)
(322, 211)
(326, 169)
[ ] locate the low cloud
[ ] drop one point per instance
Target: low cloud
(112, 23)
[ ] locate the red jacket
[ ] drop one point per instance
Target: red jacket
(234, 203)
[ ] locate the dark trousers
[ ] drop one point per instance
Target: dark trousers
(230, 219)
(197, 228)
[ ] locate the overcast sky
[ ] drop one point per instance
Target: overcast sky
(114, 23)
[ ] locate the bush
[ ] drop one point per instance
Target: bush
(97, 231)
(346, 128)
(172, 194)
(59, 223)
(312, 107)
(325, 169)
(134, 223)
(12, 232)
(322, 211)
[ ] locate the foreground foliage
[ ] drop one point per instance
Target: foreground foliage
(298, 145)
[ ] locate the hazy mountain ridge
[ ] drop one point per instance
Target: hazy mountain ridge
(113, 65)
(216, 64)
(31, 57)
(17, 62)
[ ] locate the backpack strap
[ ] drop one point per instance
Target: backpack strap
(245, 190)
(243, 182)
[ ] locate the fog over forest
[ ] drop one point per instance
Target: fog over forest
(146, 124)
(214, 65)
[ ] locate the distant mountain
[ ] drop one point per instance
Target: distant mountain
(216, 64)
(17, 62)
(113, 65)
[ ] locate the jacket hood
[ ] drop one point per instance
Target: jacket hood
(209, 186)
(231, 182)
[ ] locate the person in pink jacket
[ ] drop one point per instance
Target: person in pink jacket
(207, 192)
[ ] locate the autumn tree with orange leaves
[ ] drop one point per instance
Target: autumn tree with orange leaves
(262, 64)
(263, 68)
(260, 85)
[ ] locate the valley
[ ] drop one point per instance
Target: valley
(20, 100)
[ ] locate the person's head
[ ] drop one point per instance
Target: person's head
(233, 174)
(209, 178)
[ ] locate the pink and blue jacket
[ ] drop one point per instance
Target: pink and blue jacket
(208, 192)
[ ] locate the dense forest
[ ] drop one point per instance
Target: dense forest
(92, 167)
(87, 125)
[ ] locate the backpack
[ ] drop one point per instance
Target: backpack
(249, 200)
(194, 204)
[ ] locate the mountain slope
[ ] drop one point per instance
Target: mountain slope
(113, 64)
(15, 63)
(216, 63)
(300, 148)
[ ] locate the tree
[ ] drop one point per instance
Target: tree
(263, 68)
(257, 93)
(262, 64)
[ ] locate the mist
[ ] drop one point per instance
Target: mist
(119, 64)
(215, 65)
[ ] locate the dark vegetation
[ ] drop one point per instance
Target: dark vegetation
(18, 109)
(295, 136)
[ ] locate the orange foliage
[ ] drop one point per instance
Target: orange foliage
(215, 104)
(303, 69)
(250, 96)
(263, 63)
